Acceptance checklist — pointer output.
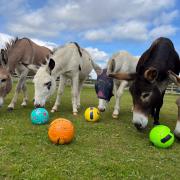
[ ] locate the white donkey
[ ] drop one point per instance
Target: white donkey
(119, 62)
(68, 62)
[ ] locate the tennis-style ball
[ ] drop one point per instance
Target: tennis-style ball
(161, 136)
(92, 114)
(39, 116)
(61, 131)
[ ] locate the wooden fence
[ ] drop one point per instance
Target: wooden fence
(171, 89)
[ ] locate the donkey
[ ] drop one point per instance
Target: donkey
(69, 62)
(21, 56)
(5, 84)
(176, 80)
(119, 62)
(151, 80)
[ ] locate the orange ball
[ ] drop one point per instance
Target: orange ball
(61, 131)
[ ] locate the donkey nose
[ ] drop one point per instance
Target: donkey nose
(101, 109)
(138, 126)
(37, 106)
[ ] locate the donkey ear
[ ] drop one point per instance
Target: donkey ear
(51, 64)
(151, 74)
(2, 51)
(123, 76)
(97, 68)
(174, 77)
(111, 66)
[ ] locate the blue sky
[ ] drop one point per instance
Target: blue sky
(104, 27)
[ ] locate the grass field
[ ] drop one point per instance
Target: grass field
(109, 149)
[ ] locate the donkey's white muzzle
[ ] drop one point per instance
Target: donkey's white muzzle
(139, 120)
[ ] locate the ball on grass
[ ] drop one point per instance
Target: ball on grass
(39, 116)
(61, 131)
(92, 114)
(161, 136)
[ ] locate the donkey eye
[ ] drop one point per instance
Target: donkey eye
(48, 83)
(145, 95)
(3, 80)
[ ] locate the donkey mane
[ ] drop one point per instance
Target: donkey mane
(76, 44)
(79, 49)
(10, 44)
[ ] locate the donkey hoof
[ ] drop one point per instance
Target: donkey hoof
(23, 105)
(177, 134)
(10, 109)
(75, 113)
(53, 110)
(115, 116)
(156, 123)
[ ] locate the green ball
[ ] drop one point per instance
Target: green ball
(161, 136)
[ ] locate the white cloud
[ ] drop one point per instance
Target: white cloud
(98, 55)
(164, 30)
(100, 20)
(166, 17)
(48, 44)
(4, 38)
(99, 34)
(132, 30)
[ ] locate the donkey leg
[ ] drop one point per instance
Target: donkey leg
(177, 128)
(25, 93)
(79, 93)
(116, 106)
(19, 86)
(156, 116)
(157, 110)
(118, 95)
(75, 86)
(60, 91)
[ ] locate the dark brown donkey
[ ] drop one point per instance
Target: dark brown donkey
(151, 79)
(21, 56)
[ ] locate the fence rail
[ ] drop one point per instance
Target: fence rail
(171, 89)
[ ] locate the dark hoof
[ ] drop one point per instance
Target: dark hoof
(156, 123)
(10, 109)
(177, 136)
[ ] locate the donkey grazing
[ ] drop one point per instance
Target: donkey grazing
(151, 80)
(21, 56)
(176, 80)
(5, 84)
(69, 62)
(119, 62)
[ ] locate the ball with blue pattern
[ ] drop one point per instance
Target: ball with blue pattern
(39, 116)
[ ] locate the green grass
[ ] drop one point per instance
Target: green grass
(108, 149)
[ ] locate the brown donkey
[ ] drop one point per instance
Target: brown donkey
(21, 56)
(5, 84)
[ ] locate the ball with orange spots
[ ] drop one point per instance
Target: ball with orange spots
(61, 131)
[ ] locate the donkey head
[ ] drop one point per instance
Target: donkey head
(103, 87)
(44, 83)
